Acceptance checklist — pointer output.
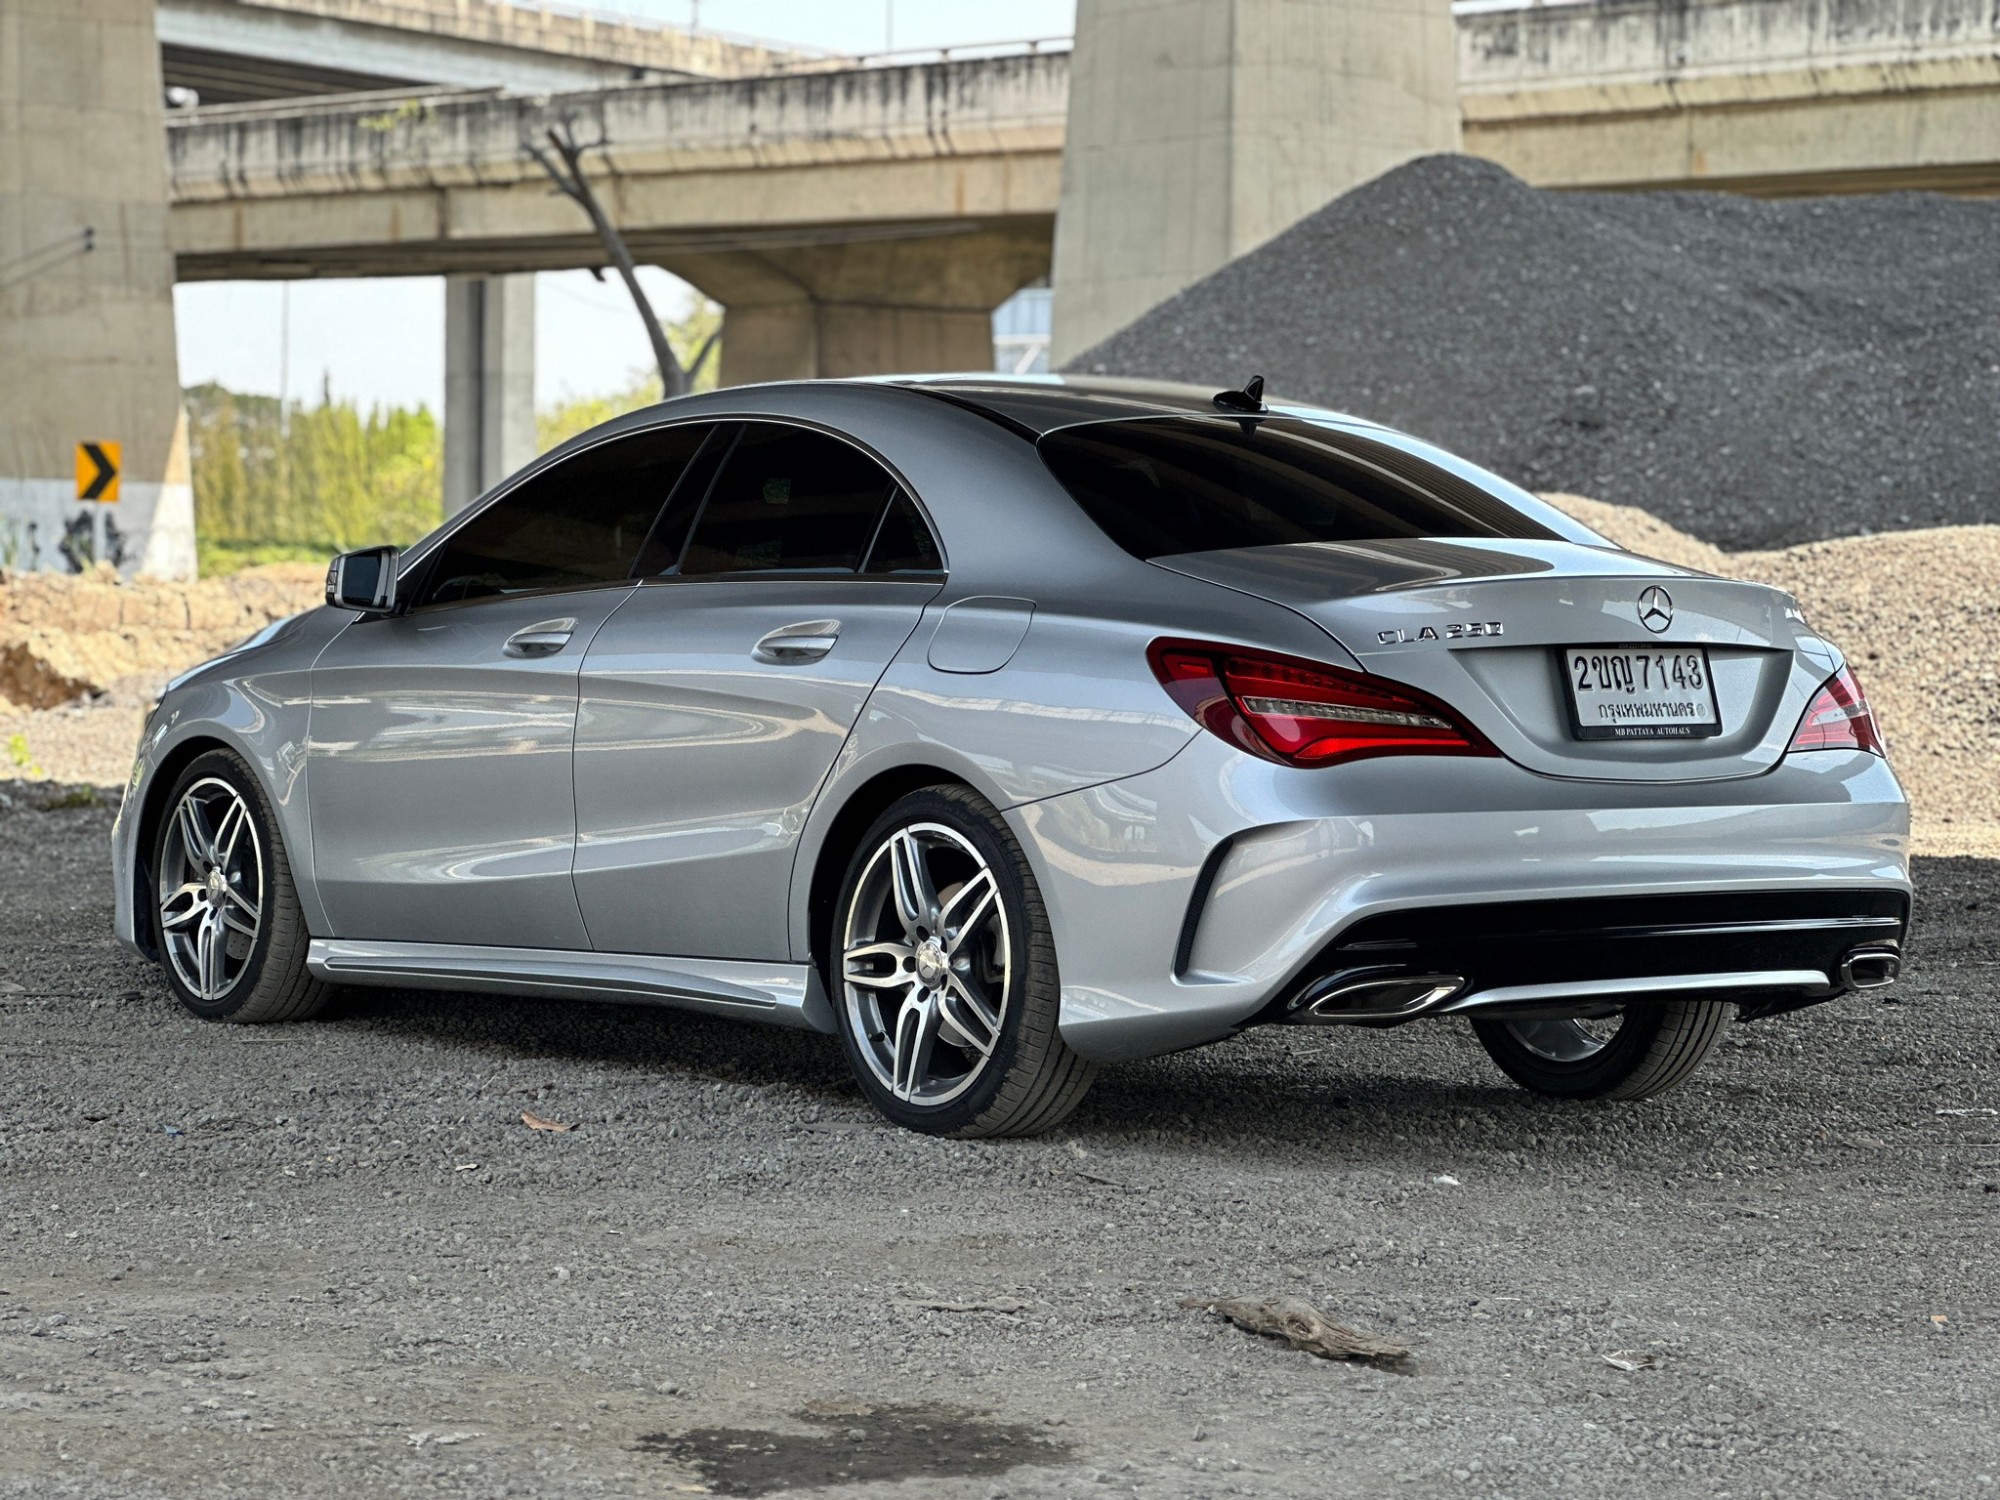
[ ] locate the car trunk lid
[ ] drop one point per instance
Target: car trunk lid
(1486, 626)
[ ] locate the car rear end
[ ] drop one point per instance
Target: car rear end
(1530, 774)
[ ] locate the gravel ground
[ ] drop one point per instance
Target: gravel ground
(1750, 371)
(329, 1259)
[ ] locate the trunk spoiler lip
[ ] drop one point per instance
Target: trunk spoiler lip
(1438, 562)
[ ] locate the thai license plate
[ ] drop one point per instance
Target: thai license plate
(1625, 693)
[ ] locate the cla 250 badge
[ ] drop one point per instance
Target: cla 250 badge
(1458, 632)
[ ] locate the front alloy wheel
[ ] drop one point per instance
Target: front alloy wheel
(211, 889)
(945, 974)
(230, 932)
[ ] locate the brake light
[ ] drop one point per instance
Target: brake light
(1840, 719)
(1300, 713)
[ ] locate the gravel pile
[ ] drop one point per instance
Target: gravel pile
(1908, 610)
(1758, 374)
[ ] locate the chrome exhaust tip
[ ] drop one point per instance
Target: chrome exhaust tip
(1871, 968)
(1375, 996)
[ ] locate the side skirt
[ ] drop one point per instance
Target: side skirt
(782, 994)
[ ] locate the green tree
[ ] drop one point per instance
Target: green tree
(276, 484)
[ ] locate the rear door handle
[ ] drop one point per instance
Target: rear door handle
(543, 639)
(795, 645)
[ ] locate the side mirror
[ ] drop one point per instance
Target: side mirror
(364, 581)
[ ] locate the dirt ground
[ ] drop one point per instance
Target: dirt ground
(329, 1259)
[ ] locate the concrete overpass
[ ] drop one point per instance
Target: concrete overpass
(1769, 96)
(232, 51)
(1775, 97)
(850, 221)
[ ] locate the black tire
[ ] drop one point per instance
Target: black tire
(1028, 1081)
(1654, 1048)
(262, 976)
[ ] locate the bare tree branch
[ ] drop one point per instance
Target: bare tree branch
(700, 355)
(565, 169)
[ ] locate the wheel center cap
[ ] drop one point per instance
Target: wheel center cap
(931, 963)
(215, 884)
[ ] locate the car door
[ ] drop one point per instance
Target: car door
(438, 773)
(714, 704)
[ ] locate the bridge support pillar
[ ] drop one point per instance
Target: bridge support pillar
(1199, 129)
(871, 307)
(489, 383)
(86, 297)
(804, 339)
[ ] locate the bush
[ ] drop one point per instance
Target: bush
(296, 483)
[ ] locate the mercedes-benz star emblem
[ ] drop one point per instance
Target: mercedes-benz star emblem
(1656, 609)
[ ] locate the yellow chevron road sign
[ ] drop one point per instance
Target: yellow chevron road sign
(97, 471)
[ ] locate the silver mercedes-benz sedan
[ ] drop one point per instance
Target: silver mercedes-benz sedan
(1005, 729)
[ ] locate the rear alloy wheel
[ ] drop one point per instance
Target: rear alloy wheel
(1632, 1052)
(231, 936)
(945, 975)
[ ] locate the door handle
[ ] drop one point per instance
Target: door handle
(795, 645)
(543, 639)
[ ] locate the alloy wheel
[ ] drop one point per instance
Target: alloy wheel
(1568, 1039)
(211, 888)
(925, 963)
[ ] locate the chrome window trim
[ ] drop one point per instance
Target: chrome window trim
(930, 581)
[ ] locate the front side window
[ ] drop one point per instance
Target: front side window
(1160, 487)
(579, 523)
(788, 500)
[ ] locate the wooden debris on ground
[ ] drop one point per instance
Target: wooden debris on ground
(1295, 1321)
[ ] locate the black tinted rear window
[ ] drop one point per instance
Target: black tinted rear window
(788, 500)
(1191, 484)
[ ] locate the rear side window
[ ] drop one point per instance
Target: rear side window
(579, 523)
(788, 500)
(903, 544)
(1194, 484)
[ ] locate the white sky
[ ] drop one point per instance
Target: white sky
(382, 341)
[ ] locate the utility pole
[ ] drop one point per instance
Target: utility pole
(284, 355)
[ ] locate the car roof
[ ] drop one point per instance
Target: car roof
(1038, 404)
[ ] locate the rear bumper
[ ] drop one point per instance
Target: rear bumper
(1198, 898)
(1774, 949)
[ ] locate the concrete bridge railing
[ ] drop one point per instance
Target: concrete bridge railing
(1766, 96)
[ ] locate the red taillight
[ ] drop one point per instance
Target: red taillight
(1839, 719)
(1301, 713)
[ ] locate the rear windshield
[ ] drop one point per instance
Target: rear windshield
(1169, 485)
